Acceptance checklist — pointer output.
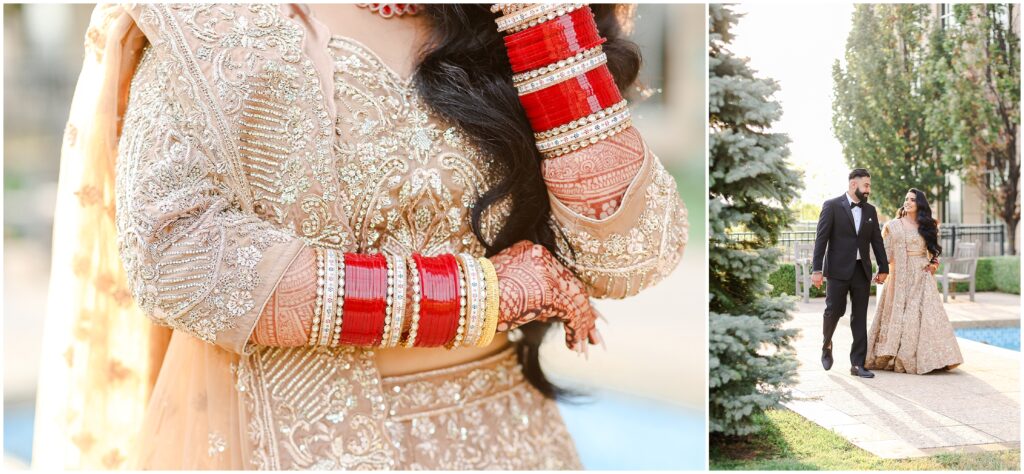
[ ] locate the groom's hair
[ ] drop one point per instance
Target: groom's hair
(859, 173)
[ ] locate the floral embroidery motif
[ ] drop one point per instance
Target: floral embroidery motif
(314, 408)
(410, 178)
(217, 444)
(455, 418)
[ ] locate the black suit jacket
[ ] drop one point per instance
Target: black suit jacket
(837, 240)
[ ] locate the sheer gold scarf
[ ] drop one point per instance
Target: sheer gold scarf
(100, 356)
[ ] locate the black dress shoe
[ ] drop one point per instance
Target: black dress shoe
(861, 372)
(826, 357)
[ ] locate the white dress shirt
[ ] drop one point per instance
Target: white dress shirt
(857, 212)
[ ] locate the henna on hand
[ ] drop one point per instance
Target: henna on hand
(536, 286)
(593, 180)
(533, 286)
(287, 319)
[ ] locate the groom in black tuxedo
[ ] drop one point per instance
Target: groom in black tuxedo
(847, 227)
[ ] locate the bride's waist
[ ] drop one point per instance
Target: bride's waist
(400, 361)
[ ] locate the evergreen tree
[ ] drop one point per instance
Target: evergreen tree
(751, 185)
(882, 102)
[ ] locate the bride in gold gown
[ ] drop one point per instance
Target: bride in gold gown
(910, 331)
(212, 150)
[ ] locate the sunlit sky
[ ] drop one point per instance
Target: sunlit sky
(796, 44)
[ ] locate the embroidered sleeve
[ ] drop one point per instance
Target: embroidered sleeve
(195, 261)
(635, 244)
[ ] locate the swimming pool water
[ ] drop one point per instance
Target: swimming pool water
(1007, 338)
(619, 432)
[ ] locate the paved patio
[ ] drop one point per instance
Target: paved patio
(973, 408)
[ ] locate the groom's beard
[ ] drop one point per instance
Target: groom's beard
(863, 197)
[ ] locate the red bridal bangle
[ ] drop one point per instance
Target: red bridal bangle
(577, 22)
(452, 319)
(366, 281)
(570, 100)
(553, 40)
(439, 300)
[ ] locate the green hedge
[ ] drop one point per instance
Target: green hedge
(783, 282)
(1006, 272)
(994, 274)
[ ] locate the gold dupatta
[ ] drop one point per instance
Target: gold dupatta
(100, 354)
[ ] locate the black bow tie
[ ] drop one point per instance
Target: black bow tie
(857, 204)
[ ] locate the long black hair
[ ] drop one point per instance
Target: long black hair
(927, 226)
(464, 75)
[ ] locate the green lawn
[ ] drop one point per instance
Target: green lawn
(790, 442)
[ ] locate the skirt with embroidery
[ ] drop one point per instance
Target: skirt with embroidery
(330, 409)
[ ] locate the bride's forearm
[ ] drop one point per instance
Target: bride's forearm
(291, 315)
(528, 284)
(287, 318)
(592, 181)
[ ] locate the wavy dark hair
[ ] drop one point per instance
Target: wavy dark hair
(464, 75)
(927, 226)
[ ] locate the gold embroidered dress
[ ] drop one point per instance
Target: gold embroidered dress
(242, 134)
(910, 331)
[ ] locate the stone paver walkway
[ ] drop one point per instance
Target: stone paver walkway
(975, 407)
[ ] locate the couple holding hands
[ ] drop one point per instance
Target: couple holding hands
(910, 331)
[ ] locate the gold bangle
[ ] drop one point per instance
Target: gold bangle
(491, 298)
(414, 328)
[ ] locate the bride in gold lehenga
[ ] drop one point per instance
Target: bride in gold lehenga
(214, 154)
(911, 332)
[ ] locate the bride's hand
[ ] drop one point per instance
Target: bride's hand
(536, 286)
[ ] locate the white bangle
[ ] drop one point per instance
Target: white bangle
(330, 298)
(398, 311)
(340, 306)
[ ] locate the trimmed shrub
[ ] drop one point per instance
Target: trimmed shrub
(1006, 274)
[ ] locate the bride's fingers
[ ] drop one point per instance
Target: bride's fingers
(600, 315)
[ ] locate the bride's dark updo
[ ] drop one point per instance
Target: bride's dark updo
(464, 75)
(927, 226)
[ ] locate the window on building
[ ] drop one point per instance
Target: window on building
(954, 201)
(947, 18)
